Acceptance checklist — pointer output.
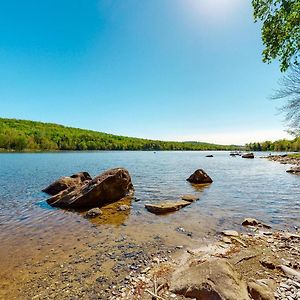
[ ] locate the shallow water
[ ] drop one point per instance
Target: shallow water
(30, 229)
(241, 187)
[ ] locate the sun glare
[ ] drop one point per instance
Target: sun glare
(214, 10)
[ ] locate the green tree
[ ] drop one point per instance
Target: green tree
(280, 30)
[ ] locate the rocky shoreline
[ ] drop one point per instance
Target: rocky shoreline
(258, 262)
(285, 159)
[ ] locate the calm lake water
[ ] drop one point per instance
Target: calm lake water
(241, 188)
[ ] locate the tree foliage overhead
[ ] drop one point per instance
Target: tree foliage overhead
(280, 30)
(19, 135)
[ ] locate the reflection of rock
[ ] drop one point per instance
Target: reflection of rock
(214, 279)
(108, 187)
(67, 181)
(166, 207)
(199, 177)
(248, 155)
(94, 212)
(190, 198)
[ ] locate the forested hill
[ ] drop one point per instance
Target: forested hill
(23, 135)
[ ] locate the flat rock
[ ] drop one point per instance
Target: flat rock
(166, 207)
(215, 279)
(199, 177)
(230, 233)
(190, 198)
(106, 188)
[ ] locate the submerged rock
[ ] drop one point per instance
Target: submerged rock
(65, 182)
(199, 177)
(108, 187)
(166, 207)
(94, 212)
(248, 155)
(190, 198)
(214, 279)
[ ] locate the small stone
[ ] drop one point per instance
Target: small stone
(230, 233)
(94, 212)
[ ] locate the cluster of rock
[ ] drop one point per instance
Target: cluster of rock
(259, 265)
(198, 177)
(80, 191)
(286, 159)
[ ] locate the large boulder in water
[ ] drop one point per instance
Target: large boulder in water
(248, 155)
(108, 187)
(199, 177)
(65, 182)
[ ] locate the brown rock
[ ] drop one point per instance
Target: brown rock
(108, 187)
(166, 207)
(67, 181)
(199, 177)
(254, 222)
(267, 264)
(215, 279)
(260, 291)
(248, 155)
(190, 198)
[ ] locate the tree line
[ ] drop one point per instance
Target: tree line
(280, 145)
(21, 135)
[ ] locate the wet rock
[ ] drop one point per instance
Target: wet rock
(248, 155)
(254, 222)
(260, 291)
(166, 207)
(190, 198)
(65, 182)
(210, 155)
(94, 212)
(199, 177)
(108, 187)
(123, 207)
(294, 170)
(214, 279)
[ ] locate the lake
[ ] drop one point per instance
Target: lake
(30, 228)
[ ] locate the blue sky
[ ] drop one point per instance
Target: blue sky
(163, 69)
